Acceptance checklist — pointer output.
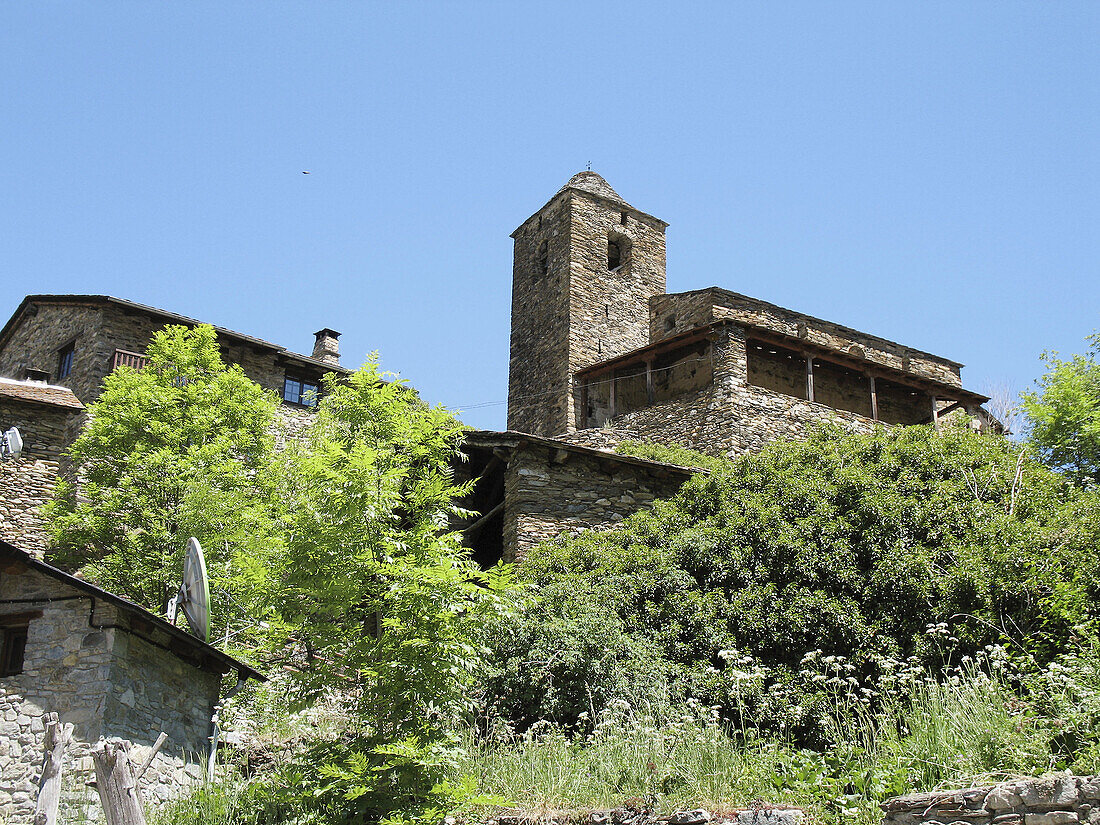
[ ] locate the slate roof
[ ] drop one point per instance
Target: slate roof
(39, 393)
(589, 181)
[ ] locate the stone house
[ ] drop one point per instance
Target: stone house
(110, 668)
(55, 352)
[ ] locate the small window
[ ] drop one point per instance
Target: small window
(65, 361)
(12, 647)
(614, 255)
(300, 391)
(36, 375)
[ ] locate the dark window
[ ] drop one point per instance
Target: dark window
(12, 648)
(614, 255)
(300, 391)
(65, 361)
(35, 375)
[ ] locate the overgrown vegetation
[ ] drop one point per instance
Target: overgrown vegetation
(824, 623)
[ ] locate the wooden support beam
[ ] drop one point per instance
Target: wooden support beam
(874, 396)
(935, 412)
(481, 522)
(809, 376)
(611, 396)
(650, 394)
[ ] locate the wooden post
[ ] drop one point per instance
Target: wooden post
(57, 738)
(650, 394)
(116, 783)
(935, 412)
(611, 396)
(874, 397)
(809, 376)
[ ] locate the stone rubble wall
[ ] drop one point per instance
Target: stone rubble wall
(678, 312)
(106, 682)
(547, 497)
(1060, 799)
(27, 483)
(732, 417)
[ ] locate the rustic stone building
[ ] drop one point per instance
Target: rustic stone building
(597, 343)
(55, 352)
(110, 668)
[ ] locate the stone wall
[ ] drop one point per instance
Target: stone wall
(27, 483)
(1052, 800)
(552, 491)
(41, 333)
(82, 664)
(98, 329)
(676, 313)
(569, 309)
(731, 416)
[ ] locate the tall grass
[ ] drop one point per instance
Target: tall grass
(968, 729)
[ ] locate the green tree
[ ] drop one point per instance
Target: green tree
(179, 448)
(1064, 414)
(374, 598)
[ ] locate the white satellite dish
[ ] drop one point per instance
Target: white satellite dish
(12, 444)
(194, 594)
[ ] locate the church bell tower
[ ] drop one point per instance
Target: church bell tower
(584, 268)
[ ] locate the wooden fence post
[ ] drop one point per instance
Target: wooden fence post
(57, 738)
(115, 781)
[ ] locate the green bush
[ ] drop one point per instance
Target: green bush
(906, 545)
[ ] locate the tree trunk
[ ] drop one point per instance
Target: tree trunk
(116, 784)
(56, 740)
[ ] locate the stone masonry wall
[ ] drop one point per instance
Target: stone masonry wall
(106, 682)
(98, 330)
(732, 417)
(550, 492)
(27, 483)
(538, 383)
(609, 310)
(43, 331)
(568, 309)
(1052, 800)
(672, 314)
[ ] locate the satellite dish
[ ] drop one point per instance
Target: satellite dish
(11, 446)
(194, 594)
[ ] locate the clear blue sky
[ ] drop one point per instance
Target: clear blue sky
(929, 172)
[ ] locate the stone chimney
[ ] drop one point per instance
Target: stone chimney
(327, 346)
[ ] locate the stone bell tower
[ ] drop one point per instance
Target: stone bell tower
(584, 268)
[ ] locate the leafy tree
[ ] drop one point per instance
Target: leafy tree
(179, 448)
(1064, 415)
(839, 557)
(373, 597)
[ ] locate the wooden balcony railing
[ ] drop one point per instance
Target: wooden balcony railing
(128, 359)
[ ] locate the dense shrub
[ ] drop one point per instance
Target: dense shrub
(768, 582)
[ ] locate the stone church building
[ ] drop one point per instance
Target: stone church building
(601, 353)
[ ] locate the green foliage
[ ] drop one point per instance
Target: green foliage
(1064, 415)
(180, 448)
(861, 546)
(373, 598)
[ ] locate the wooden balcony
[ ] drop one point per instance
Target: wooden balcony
(122, 358)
